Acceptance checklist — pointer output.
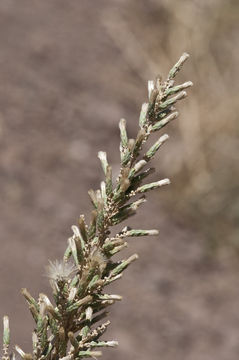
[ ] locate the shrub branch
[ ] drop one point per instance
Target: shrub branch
(67, 328)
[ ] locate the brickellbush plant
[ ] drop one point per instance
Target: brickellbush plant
(71, 327)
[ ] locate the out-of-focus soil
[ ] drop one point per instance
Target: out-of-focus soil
(64, 84)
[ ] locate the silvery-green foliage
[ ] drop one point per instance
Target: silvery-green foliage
(71, 327)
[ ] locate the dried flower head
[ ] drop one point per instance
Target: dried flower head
(60, 270)
(98, 260)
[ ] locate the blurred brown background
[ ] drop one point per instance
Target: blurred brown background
(68, 71)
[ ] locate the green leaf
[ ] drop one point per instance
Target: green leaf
(175, 69)
(152, 151)
(6, 331)
(123, 265)
(154, 185)
(160, 124)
